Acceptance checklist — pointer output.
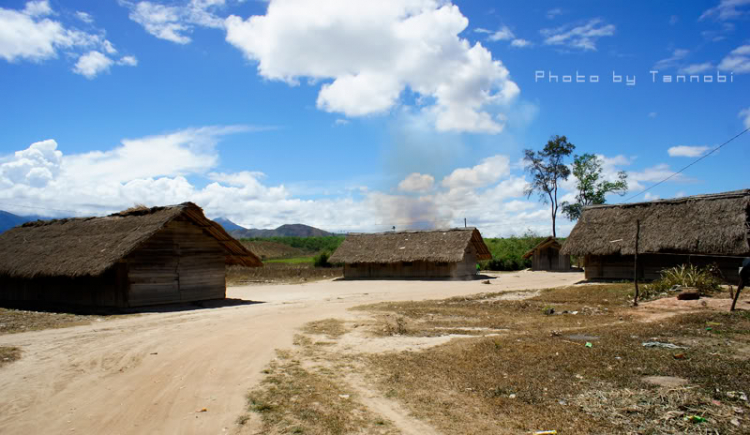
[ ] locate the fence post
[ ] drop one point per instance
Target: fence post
(635, 261)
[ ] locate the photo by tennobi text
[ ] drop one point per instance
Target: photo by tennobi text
(577, 77)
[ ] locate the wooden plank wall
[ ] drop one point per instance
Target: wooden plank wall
(43, 292)
(180, 263)
(619, 267)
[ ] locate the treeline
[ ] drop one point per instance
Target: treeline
(310, 244)
(507, 253)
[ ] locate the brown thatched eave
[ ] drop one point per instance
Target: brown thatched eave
(716, 224)
(90, 246)
(432, 246)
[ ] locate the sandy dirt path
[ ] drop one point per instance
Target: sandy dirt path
(154, 373)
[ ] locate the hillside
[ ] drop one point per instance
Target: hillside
(228, 225)
(288, 230)
(9, 220)
(267, 250)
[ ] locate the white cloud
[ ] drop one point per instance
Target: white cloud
(174, 22)
(654, 174)
(671, 61)
(373, 51)
(158, 170)
(737, 61)
(29, 35)
(650, 196)
(552, 13)
(92, 64)
(687, 151)
(128, 61)
(696, 68)
(726, 10)
(680, 194)
(488, 171)
(416, 182)
(503, 34)
(520, 43)
(85, 17)
(37, 8)
(745, 115)
(583, 36)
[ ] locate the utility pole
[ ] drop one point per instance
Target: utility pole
(464, 222)
(635, 262)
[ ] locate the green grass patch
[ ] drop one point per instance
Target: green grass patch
(295, 260)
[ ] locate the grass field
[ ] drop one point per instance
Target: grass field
(582, 370)
(295, 260)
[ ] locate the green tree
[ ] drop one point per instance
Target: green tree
(547, 168)
(592, 187)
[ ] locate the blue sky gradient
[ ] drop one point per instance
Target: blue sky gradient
(295, 111)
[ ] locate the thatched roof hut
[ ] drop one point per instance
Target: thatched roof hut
(546, 256)
(172, 238)
(703, 224)
(439, 253)
(716, 225)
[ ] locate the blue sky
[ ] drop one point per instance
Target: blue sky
(357, 116)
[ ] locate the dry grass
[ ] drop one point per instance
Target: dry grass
(537, 377)
(298, 400)
(332, 328)
(8, 354)
(13, 321)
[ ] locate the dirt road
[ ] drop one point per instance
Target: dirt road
(154, 373)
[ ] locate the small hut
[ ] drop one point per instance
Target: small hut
(141, 256)
(546, 256)
(699, 230)
(412, 254)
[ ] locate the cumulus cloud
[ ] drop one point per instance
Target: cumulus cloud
(416, 182)
(737, 61)
(726, 10)
(30, 35)
(91, 64)
(653, 174)
(581, 36)
(164, 169)
(174, 22)
(488, 171)
(687, 151)
(368, 53)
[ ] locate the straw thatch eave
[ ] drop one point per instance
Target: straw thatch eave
(716, 224)
(446, 246)
(90, 246)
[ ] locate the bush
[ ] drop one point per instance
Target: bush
(507, 253)
(702, 279)
(322, 260)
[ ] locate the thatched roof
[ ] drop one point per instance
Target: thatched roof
(717, 224)
(89, 246)
(438, 246)
(549, 241)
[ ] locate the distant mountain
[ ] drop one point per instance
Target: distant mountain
(228, 225)
(9, 220)
(293, 230)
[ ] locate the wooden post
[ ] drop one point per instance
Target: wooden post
(464, 222)
(635, 262)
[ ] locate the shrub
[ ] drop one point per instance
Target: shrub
(702, 279)
(321, 260)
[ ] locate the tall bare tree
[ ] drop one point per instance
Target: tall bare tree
(547, 168)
